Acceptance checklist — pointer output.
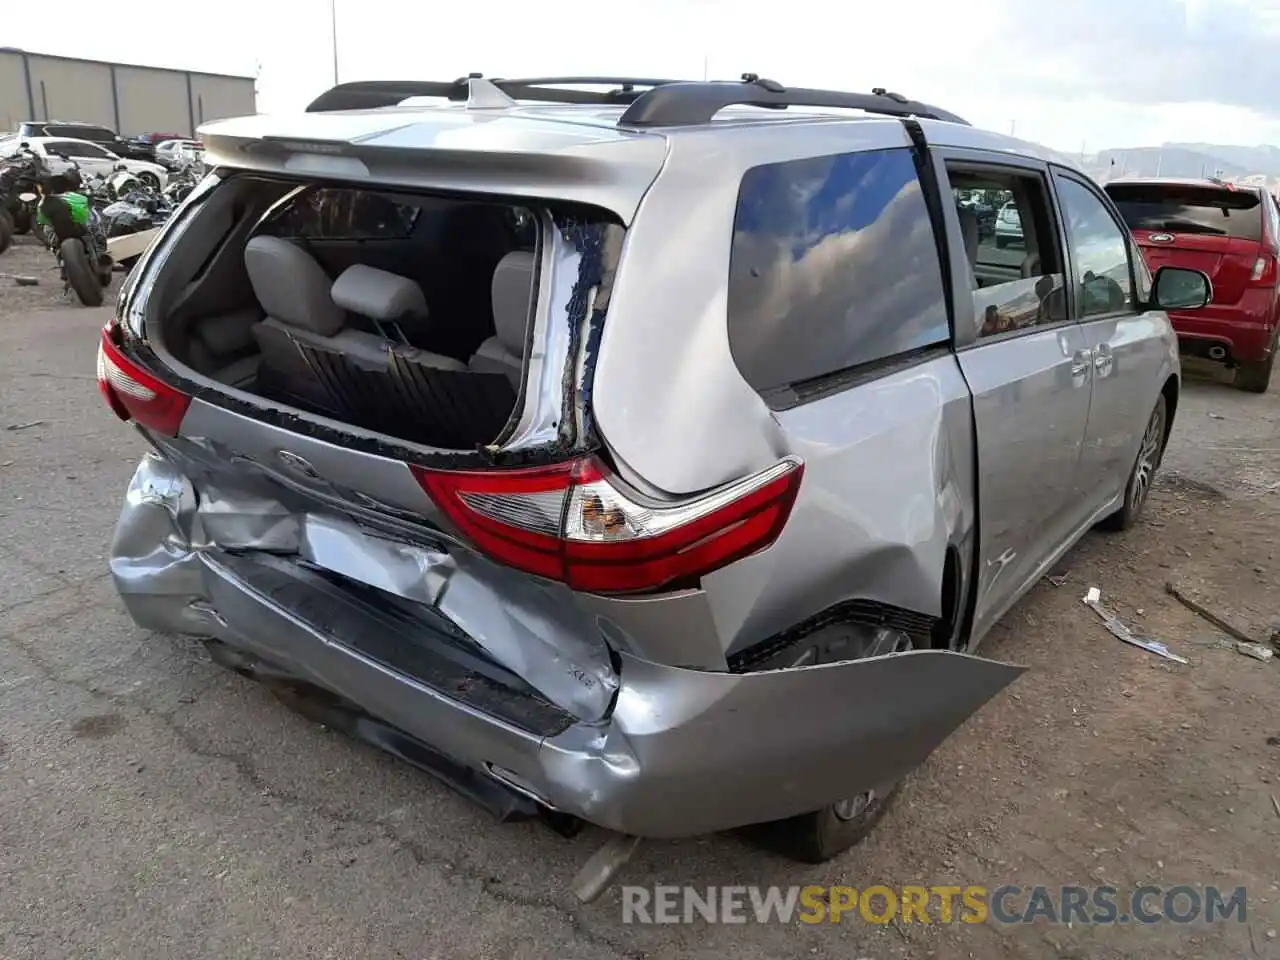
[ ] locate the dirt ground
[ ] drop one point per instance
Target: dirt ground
(155, 805)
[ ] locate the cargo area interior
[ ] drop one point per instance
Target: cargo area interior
(402, 314)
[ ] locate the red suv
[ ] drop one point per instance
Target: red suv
(1231, 233)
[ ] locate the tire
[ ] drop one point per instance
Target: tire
(1001, 243)
(81, 274)
(1141, 477)
(1256, 377)
(6, 230)
(825, 834)
(149, 179)
(22, 222)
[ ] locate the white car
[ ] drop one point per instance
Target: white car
(177, 151)
(1008, 225)
(89, 157)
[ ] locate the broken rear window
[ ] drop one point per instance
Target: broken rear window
(1175, 208)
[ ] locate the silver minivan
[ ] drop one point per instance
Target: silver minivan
(633, 452)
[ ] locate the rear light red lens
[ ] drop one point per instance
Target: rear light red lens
(134, 394)
(575, 523)
(1264, 270)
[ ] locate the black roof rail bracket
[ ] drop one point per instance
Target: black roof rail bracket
(372, 94)
(696, 103)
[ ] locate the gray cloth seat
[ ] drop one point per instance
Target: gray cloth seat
(293, 290)
(300, 305)
(512, 292)
(391, 302)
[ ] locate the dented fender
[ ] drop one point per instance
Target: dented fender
(690, 752)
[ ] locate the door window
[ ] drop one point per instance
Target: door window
(78, 148)
(79, 132)
(1012, 247)
(1100, 251)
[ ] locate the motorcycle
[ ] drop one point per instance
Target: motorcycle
(19, 176)
(81, 251)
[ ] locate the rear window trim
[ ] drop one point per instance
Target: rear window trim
(787, 397)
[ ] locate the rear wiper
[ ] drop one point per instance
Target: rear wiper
(1190, 226)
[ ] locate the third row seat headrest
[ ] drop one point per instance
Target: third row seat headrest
(379, 294)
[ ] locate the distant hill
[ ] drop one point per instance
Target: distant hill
(1192, 160)
(1261, 159)
(1167, 161)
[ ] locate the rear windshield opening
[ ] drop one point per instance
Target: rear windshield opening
(1190, 209)
(402, 314)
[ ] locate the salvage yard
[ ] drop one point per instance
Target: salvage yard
(157, 805)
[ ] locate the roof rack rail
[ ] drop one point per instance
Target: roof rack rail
(691, 104)
(371, 94)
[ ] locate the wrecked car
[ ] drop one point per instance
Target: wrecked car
(634, 453)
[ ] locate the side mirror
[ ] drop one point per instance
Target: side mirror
(1177, 288)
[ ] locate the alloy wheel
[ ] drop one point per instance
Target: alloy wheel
(886, 642)
(1148, 458)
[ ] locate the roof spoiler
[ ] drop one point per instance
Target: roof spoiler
(649, 102)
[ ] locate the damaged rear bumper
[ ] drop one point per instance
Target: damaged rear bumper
(675, 752)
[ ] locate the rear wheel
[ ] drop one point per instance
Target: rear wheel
(824, 834)
(1143, 474)
(1001, 243)
(6, 230)
(1256, 377)
(22, 221)
(149, 179)
(81, 274)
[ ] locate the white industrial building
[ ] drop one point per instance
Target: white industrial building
(128, 98)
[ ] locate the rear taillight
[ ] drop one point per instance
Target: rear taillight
(574, 522)
(1264, 270)
(134, 394)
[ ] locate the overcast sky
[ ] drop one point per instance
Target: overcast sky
(1083, 73)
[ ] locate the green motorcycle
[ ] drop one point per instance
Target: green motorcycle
(69, 226)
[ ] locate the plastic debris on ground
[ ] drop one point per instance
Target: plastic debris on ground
(1117, 628)
(1255, 650)
(1197, 603)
